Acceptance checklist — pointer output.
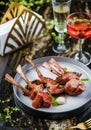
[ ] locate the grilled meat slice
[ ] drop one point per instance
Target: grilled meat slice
(74, 87)
(47, 100)
(64, 78)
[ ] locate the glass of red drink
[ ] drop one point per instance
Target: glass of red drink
(79, 27)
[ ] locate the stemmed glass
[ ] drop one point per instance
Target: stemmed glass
(79, 27)
(61, 9)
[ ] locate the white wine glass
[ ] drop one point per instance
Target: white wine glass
(61, 9)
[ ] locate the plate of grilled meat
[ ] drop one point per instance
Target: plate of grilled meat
(52, 87)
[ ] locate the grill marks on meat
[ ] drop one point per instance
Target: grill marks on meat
(72, 85)
(32, 87)
(47, 100)
(37, 100)
(62, 75)
(36, 89)
(52, 85)
(43, 98)
(54, 88)
(64, 78)
(39, 97)
(71, 80)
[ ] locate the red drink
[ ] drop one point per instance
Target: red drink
(79, 25)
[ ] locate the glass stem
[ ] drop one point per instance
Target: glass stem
(80, 41)
(61, 45)
(61, 36)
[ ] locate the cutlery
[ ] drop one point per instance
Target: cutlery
(83, 125)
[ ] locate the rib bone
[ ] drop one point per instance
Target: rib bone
(54, 62)
(51, 69)
(36, 68)
(10, 79)
(19, 70)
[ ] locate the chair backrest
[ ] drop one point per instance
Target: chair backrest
(14, 10)
(28, 26)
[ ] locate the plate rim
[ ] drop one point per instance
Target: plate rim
(63, 59)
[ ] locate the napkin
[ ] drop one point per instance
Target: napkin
(4, 31)
(20, 31)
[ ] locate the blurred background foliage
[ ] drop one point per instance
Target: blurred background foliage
(36, 5)
(31, 4)
(40, 6)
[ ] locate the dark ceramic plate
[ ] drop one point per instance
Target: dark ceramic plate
(74, 104)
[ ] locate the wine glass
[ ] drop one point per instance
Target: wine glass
(61, 9)
(79, 27)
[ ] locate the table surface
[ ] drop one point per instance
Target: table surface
(9, 63)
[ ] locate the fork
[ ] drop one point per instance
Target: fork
(83, 125)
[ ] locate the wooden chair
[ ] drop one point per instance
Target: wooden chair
(27, 36)
(27, 27)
